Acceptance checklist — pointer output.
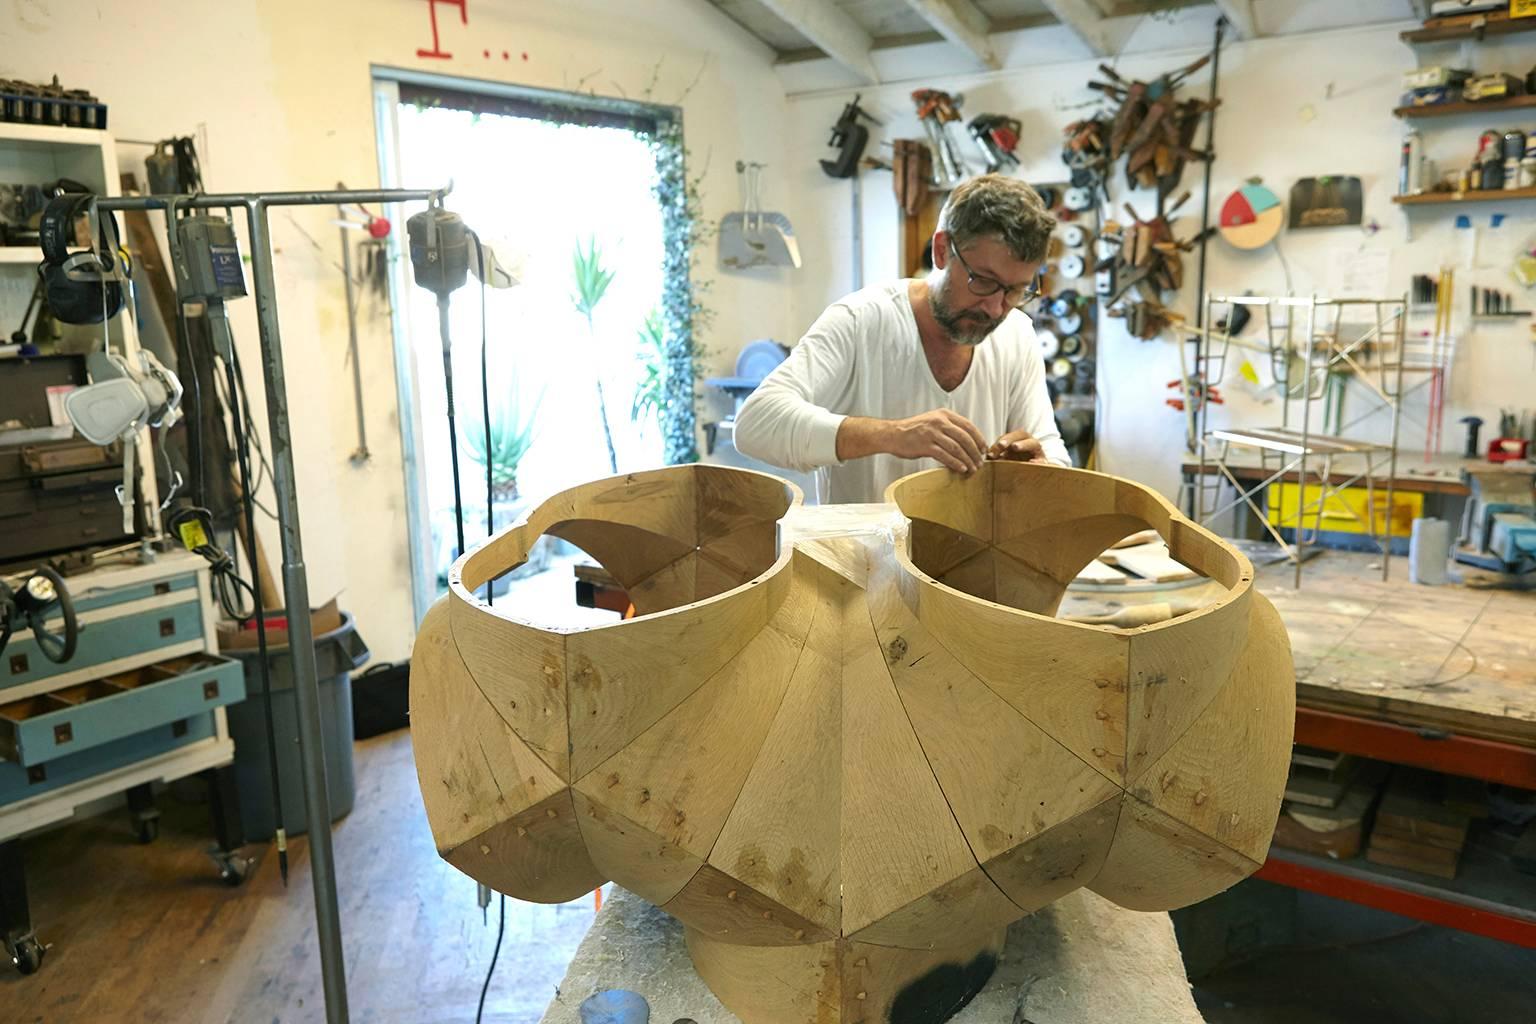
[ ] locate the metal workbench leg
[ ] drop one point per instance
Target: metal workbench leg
(21, 943)
(143, 812)
(228, 826)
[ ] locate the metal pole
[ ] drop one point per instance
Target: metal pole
(1397, 419)
(1306, 439)
(301, 642)
(361, 454)
(1205, 203)
(295, 579)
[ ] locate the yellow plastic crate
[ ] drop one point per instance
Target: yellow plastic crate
(1342, 508)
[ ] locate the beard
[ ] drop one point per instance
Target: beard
(968, 327)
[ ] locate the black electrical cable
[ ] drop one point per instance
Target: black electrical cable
(501, 927)
(235, 382)
(485, 413)
(490, 585)
(453, 435)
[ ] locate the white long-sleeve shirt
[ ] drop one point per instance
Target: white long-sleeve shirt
(864, 357)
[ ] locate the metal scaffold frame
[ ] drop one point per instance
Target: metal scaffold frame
(1334, 345)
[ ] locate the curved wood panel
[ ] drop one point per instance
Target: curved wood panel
(847, 746)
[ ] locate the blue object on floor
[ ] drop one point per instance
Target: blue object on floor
(616, 1006)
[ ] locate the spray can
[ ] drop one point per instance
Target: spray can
(1410, 177)
(1528, 164)
(1514, 151)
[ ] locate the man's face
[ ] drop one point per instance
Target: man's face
(985, 265)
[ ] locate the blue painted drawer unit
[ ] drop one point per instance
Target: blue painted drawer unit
(157, 689)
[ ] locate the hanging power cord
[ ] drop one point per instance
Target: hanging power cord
(198, 243)
(490, 585)
(235, 381)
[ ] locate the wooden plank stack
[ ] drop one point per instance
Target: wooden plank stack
(1422, 823)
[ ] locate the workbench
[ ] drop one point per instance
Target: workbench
(1442, 678)
(1440, 474)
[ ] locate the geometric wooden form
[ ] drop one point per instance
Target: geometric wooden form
(846, 746)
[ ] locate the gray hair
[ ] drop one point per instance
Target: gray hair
(995, 206)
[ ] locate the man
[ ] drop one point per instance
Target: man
(944, 369)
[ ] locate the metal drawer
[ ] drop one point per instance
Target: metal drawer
(86, 715)
(103, 640)
(92, 598)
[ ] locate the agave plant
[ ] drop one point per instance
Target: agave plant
(511, 435)
(592, 280)
(651, 393)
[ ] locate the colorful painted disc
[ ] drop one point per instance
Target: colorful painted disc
(1251, 217)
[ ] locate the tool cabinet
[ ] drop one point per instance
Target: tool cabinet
(142, 701)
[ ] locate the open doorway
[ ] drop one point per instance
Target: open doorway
(567, 189)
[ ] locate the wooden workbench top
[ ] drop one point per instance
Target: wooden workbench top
(1449, 657)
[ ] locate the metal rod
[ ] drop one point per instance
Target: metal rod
(1210, 158)
(1397, 419)
(361, 454)
(1306, 435)
(295, 578)
(324, 198)
(301, 643)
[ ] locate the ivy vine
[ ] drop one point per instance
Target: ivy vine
(684, 316)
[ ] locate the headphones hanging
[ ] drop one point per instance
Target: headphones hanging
(80, 287)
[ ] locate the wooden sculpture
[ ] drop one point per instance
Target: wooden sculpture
(847, 746)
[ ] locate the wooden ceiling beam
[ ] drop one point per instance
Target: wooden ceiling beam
(962, 23)
(1084, 19)
(833, 31)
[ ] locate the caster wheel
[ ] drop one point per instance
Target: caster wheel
(233, 868)
(148, 830)
(27, 955)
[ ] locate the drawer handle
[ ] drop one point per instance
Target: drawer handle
(211, 690)
(63, 733)
(18, 664)
(162, 588)
(167, 627)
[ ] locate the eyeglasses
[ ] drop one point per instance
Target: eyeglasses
(981, 285)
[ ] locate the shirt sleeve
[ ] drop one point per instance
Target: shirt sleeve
(1032, 402)
(788, 421)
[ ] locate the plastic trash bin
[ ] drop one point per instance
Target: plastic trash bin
(337, 653)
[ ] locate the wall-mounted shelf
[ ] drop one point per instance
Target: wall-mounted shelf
(24, 255)
(1474, 28)
(1451, 109)
(1451, 198)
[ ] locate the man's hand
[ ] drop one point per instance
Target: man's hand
(1017, 446)
(939, 434)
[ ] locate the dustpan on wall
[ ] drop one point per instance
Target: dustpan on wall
(751, 238)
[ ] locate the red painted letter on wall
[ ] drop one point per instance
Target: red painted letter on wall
(437, 51)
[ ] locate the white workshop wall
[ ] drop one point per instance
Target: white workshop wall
(1300, 105)
(283, 89)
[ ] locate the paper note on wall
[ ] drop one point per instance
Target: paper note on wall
(1359, 273)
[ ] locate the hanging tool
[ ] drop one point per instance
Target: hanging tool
(32, 603)
(751, 238)
(912, 174)
(206, 255)
(998, 136)
(378, 229)
(850, 137)
(937, 109)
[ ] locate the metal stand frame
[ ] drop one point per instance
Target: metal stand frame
(1303, 369)
(295, 577)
